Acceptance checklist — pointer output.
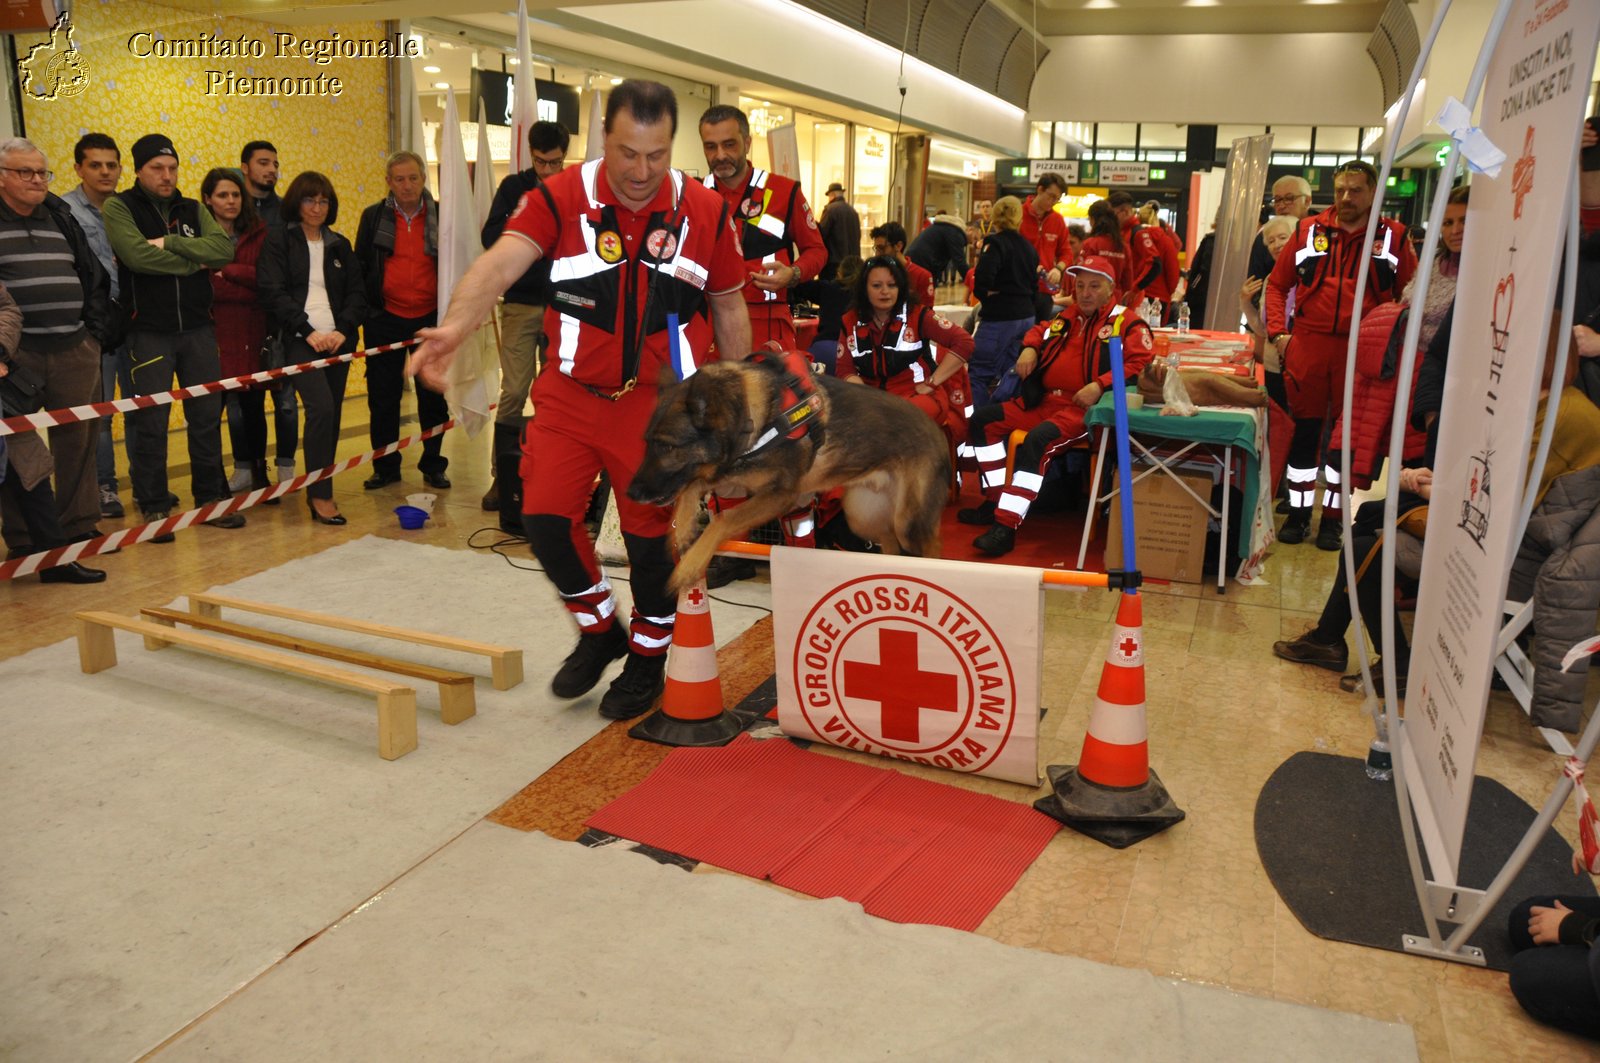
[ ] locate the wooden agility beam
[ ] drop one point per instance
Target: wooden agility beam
(456, 699)
(397, 705)
(505, 662)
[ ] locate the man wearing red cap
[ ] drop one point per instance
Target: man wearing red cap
(1065, 366)
(1320, 266)
(782, 246)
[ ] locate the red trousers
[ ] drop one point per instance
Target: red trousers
(1313, 372)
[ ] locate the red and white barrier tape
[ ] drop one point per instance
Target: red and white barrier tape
(64, 555)
(29, 422)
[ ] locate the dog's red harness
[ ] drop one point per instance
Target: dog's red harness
(798, 402)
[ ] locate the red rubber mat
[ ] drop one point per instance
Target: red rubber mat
(905, 849)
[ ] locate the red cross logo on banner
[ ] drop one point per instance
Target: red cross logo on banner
(1128, 647)
(1522, 174)
(897, 684)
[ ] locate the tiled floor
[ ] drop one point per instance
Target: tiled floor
(1223, 713)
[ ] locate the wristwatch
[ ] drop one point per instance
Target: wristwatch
(1275, 337)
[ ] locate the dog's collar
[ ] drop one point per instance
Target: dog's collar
(798, 402)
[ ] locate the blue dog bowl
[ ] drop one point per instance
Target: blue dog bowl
(411, 518)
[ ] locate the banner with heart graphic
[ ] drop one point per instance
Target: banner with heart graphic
(1532, 109)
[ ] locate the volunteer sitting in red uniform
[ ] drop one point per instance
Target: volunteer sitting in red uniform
(782, 246)
(1319, 266)
(1065, 367)
(630, 240)
(890, 341)
(889, 241)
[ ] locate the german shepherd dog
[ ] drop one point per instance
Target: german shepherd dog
(767, 426)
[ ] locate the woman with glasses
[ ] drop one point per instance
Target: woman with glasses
(311, 286)
(241, 323)
(888, 341)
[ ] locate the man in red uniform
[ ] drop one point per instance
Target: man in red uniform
(1144, 254)
(1046, 230)
(1065, 367)
(889, 241)
(1320, 266)
(630, 240)
(782, 246)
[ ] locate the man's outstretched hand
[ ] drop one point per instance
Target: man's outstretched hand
(430, 360)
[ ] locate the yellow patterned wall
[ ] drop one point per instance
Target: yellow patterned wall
(346, 136)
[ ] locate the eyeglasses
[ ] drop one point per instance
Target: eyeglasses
(1289, 198)
(32, 175)
(314, 201)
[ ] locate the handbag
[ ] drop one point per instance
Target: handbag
(20, 391)
(273, 353)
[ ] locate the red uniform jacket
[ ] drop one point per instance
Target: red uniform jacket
(616, 273)
(1164, 285)
(1320, 266)
(1075, 348)
(775, 228)
(1048, 237)
(1143, 267)
(1373, 398)
(921, 282)
(1102, 246)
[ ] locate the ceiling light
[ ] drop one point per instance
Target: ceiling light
(430, 70)
(513, 60)
(441, 84)
(616, 81)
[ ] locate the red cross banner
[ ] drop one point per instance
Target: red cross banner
(935, 662)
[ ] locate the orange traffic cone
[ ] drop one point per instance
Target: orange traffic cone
(691, 713)
(1111, 794)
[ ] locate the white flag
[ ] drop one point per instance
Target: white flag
(596, 143)
(471, 390)
(524, 96)
(483, 169)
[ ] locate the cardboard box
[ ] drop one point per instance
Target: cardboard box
(1169, 526)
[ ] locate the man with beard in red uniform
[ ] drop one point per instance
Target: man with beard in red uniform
(630, 240)
(782, 246)
(1320, 265)
(1065, 366)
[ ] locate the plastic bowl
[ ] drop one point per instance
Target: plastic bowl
(411, 518)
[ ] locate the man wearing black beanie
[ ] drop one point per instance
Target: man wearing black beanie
(165, 243)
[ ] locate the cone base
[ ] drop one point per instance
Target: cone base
(1118, 818)
(666, 730)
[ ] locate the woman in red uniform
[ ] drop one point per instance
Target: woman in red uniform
(1105, 240)
(889, 341)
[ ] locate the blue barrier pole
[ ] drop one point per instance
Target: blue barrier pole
(676, 353)
(1119, 401)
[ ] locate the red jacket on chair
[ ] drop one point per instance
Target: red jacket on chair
(1378, 349)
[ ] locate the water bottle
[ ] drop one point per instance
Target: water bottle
(1183, 319)
(1380, 761)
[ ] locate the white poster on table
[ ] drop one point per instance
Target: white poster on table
(1533, 105)
(936, 662)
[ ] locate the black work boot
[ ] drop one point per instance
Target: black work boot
(1330, 533)
(584, 665)
(635, 691)
(1297, 527)
(997, 541)
(508, 492)
(1309, 649)
(981, 514)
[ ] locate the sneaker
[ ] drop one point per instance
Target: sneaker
(110, 504)
(1307, 650)
(239, 481)
(151, 516)
(725, 570)
(979, 514)
(1352, 682)
(1330, 535)
(583, 666)
(227, 520)
(634, 692)
(997, 541)
(1296, 528)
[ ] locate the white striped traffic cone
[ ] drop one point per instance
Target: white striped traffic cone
(692, 712)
